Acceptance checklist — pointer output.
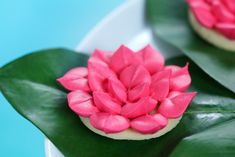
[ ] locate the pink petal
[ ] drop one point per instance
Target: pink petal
(160, 90)
(117, 89)
(102, 70)
(84, 109)
(172, 68)
(149, 124)
(152, 60)
(78, 96)
(173, 94)
(109, 123)
(209, 1)
(222, 13)
(160, 85)
(122, 58)
(75, 73)
(96, 61)
(75, 79)
(95, 82)
(98, 75)
(81, 103)
(201, 11)
(176, 106)
(134, 75)
(101, 55)
(105, 103)
(180, 79)
(141, 107)
(199, 3)
(230, 5)
(139, 91)
(164, 74)
(116, 123)
(76, 84)
(98, 119)
(228, 30)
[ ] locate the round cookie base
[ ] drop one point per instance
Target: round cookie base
(211, 36)
(131, 134)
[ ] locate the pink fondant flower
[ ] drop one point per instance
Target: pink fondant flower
(215, 14)
(128, 90)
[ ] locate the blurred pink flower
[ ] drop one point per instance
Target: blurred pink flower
(215, 14)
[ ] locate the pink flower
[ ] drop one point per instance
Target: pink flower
(128, 90)
(215, 14)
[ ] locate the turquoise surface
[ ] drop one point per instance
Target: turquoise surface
(29, 25)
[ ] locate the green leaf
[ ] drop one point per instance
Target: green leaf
(169, 20)
(217, 141)
(29, 84)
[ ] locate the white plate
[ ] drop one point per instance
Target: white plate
(125, 25)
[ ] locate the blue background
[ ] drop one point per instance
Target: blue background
(29, 25)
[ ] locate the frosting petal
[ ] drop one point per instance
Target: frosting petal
(109, 123)
(122, 58)
(141, 107)
(180, 79)
(95, 82)
(101, 69)
(75, 79)
(105, 103)
(78, 96)
(101, 55)
(172, 68)
(117, 89)
(173, 94)
(79, 72)
(160, 85)
(98, 119)
(139, 91)
(81, 103)
(221, 12)
(226, 29)
(133, 75)
(230, 4)
(98, 74)
(76, 84)
(148, 124)
(199, 3)
(152, 60)
(202, 12)
(176, 106)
